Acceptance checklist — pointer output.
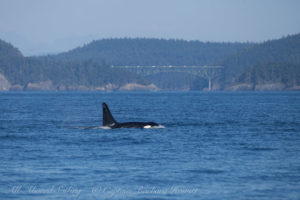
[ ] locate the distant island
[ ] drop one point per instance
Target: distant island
(269, 66)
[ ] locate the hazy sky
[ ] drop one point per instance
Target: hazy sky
(47, 26)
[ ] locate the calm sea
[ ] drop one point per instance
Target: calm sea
(214, 146)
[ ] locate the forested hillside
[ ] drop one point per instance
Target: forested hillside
(147, 52)
(284, 50)
(8, 51)
(45, 73)
(288, 74)
(272, 65)
(270, 76)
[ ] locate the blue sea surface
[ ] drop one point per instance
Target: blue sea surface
(217, 145)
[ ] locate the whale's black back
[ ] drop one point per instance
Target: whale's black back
(109, 121)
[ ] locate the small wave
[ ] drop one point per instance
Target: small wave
(159, 126)
(15, 137)
(261, 149)
(105, 127)
(206, 171)
(87, 127)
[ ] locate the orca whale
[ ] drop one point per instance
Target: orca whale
(110, 122)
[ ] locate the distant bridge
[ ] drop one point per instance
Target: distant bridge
(207, 72)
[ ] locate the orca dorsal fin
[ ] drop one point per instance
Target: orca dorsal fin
(108, 119)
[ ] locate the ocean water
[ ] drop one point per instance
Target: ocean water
(214, 146)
